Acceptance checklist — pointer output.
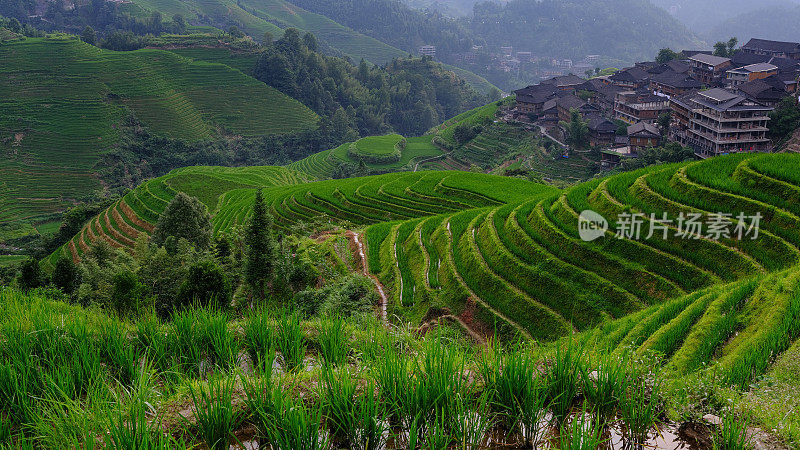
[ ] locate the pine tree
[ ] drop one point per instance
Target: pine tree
(260, 264)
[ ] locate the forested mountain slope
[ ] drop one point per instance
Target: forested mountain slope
(61, 102)
(627, 30)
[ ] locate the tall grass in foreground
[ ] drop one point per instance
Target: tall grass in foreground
(291, 340)
(604, 383)
(563, 379)
(259, 337)
(333, 341)
(131, 425)
(298, 426)
(732, 435)
(585, 432)
(639, 409)
(354, 418)
(516, 391)
(214, 412)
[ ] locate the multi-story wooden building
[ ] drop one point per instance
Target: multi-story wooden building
(639, 106)
(750, 72)
(531, 99)
(643, 135)
(718, 122)
(708, 69)
(601, 130)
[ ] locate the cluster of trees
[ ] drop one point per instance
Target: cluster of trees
(142, 155)
(785, 119)
(105, 17)
(399, 25)
(15, 26)
(726, 49)
(577, 130)
(408, 96)
(670, 152)
(181, 265)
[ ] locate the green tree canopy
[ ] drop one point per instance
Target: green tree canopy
(666, 55)
(206, 284)
(65, 275)
(577, 130)
(187, 218)
(89, 36)
(31, 275)
(785, 119)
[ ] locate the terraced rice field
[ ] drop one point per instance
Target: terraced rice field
(137, 213)
(523, 264)
(506, 252)
(734, 330)
(60, 101)
(321, 165)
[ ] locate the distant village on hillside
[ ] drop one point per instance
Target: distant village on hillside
(715, 105)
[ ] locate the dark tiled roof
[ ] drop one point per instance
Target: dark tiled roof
(784, 63)
(643, 128)
(570, 102)
(565, 81)
(600, 124)
(758, 67)
(536, 93)
(719, 95)
(677, 80)
(678, 67)
(689, 53)
(711, 60)
(762, 90)
(745, 59)
(593, 85)
(730, 101)
(772, 46)
(630, 75)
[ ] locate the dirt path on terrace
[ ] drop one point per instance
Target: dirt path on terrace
(476, 331)
(357, 246)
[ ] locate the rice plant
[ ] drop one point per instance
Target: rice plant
(260, 402)
(471, 422)
(338, 397)
(605, 384)
(333, 341)
(153, 340)
(291, 341)
(298, 425)
(639, 410)
(585, 432)
(119, 354)
(563, 380)
(223, 346)
(392, 374)
(371, 427)
(214, 412)
(131, 430)
(518, 394)
(732, 435)
(437, 381)
(259, 339)
(188, 345)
